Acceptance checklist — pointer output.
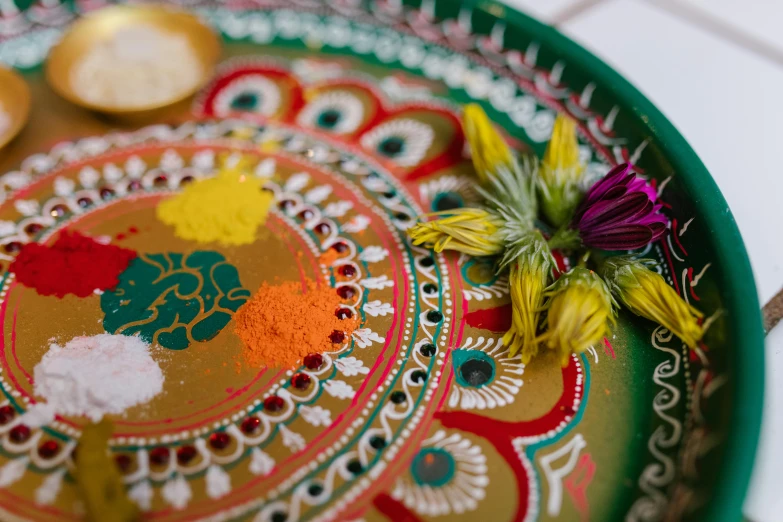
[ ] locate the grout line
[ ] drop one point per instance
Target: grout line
(717, 27)
(572, 11)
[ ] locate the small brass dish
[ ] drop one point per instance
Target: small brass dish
(15, 102)
(101, 26)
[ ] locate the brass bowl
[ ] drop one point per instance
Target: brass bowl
(15, 100)
(101, 25)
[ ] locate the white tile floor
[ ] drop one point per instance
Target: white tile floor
(715, 68)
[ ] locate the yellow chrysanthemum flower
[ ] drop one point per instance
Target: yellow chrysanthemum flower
(580, 312)
(469, 230)
(487, 147)
(647, 294)
(529, 275)
(560, 173)
(562, 152)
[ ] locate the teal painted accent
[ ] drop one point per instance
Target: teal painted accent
(472, 261)
(246, 101)
(392, 146)
(447, 201)
(172, 298)
(436, 473)
(329, 119)
(577, 416)
(460, 357)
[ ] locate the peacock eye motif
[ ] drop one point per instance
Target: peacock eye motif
(253, 93)
(338, 112)
(486, 376)
(404, 141)
(448, 192)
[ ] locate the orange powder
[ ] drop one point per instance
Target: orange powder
(329, 257)
(280, 324)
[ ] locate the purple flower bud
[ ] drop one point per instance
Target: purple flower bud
(620, 212)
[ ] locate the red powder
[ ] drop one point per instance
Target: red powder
(74, 264)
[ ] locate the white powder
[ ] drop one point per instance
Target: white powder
(5, 120)
(139, 66)
(98, 375)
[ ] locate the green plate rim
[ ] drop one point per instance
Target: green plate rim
(740, 294)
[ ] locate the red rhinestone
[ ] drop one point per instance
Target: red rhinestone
(160, 455)
(323, 228)
(348, 270)
(273, 403)
(13, 246)
(185, 454)
(286, 204)
(346, 292)
(122, 461)
(343, 313)
(7, 413)
(250, 424)
(20, 433)
(219, 440)
(159, 181)
(185, 180)
(306, 214)
(48, 449)
(58, 211)
(337, 337)
(314, 361)
(300, 381)
(106, 193)
(134, 185)
(84, 202)
(340, 247)
(33, 228)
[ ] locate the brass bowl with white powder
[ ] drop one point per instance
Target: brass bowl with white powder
(131, 61)
(14, 105)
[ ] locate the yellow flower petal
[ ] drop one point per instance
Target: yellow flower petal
(527, 293)
(488, 149)
(563, 149)
(647, 294)
(528, 278)
(560, 173)
(579, 313)
(468, 230)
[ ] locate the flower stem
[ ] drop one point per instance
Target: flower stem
(565, 239)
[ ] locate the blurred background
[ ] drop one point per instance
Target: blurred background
(715, 69)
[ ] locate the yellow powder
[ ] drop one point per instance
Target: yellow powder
(227, 209)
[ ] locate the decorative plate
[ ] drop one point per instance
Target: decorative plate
(421, 414)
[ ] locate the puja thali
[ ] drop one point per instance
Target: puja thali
(350, 113)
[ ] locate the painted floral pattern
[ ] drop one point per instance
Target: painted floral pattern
(174, 299)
